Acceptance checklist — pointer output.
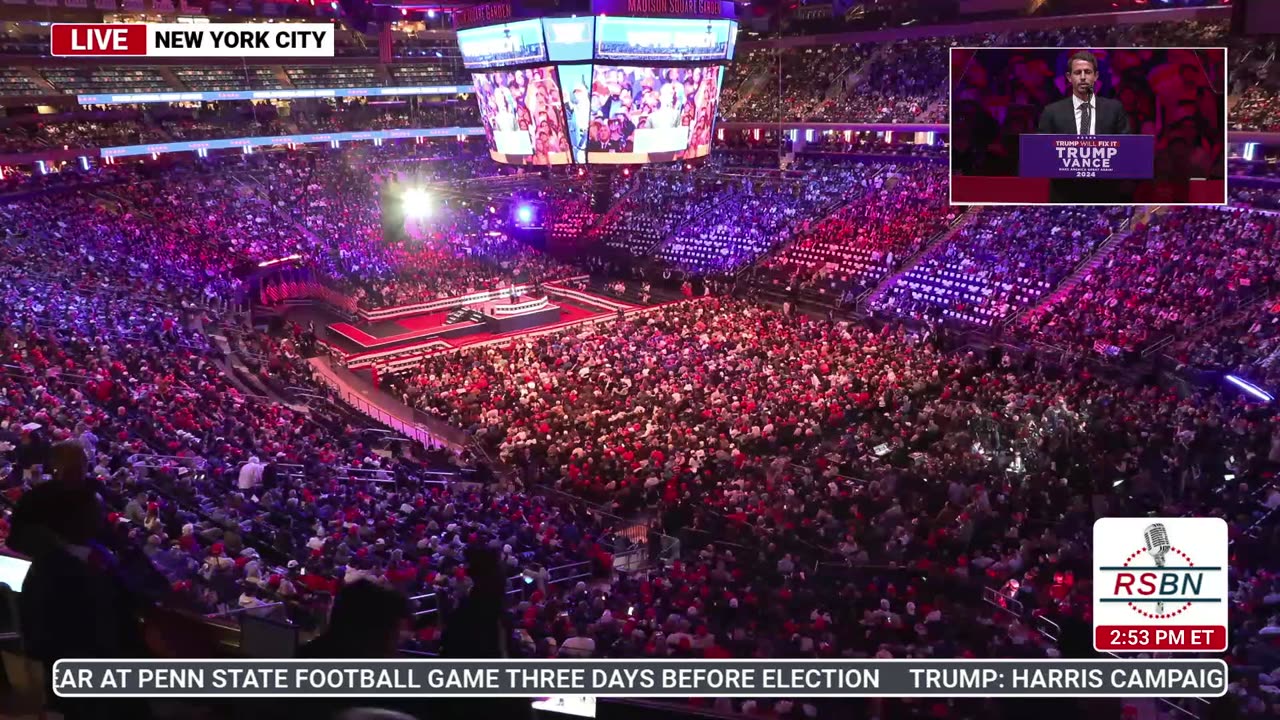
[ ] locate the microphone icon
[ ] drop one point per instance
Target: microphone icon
(1157, 540)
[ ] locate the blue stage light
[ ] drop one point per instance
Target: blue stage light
(524, 214)
(1256, 392)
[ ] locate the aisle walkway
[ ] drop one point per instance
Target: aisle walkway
(383, 407)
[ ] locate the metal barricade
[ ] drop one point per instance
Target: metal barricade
(1001, 601)
(359, 474)
(431, 600)
(272, 610)
(1047, 627)
(571, 572)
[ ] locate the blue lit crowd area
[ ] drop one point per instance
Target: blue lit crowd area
(586, 338)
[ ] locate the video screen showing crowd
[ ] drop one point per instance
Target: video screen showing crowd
(522, 118)
(642, 114)
(509, 44)
(664, 39)
(651, 94)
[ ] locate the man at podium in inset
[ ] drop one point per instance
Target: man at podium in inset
(1084, 112)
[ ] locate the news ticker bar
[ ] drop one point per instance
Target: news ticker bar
(278, 94)
(276, 140)
(640, 678)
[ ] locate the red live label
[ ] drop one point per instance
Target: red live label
(1139, 638)
(98, 40)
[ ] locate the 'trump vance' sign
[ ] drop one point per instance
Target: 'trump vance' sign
(1160, 584)
(1130, 157)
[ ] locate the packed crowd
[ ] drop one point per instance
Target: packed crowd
(840, 489)
(743, 424)
(733, 421)
(238, 500)
(1165, 279)
(198, 226)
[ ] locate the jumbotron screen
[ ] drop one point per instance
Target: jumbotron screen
(625, 114)
(522, 115)
(621, 39)
(626, 107)
(652, 39)
(512, 43)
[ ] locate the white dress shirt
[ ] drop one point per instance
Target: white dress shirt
(1093, 114)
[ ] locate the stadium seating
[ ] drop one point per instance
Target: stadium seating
(318, 76)
(754, 214)
(857, 246)
(14, 82)
(845, 484)
(999, 263)
(427, 74)
(1187, 268)
(79, 80)
(210, 78)
(658, 203)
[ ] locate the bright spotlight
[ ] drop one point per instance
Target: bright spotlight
(524, 214)
(416, 203)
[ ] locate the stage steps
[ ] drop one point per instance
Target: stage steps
(463, 315)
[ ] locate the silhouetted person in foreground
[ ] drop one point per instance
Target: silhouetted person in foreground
(39, 507)
(478, 629)
(74, 602)
(365, 623)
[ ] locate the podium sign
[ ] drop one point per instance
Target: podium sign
(1103, 157)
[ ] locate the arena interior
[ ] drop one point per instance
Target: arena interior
(778, 399)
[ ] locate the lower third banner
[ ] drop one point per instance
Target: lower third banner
(639, 678)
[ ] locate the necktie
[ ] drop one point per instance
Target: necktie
(1085, 118)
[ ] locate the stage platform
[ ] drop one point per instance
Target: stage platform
(519, 313)
(469, 320)
(391, 333)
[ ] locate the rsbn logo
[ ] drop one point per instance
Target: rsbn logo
(1160, 584)
(1168, 585)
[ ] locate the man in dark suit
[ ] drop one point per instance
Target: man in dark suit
(1085, 113)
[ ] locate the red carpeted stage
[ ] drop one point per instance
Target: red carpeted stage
(462, 321)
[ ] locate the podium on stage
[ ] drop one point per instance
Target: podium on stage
(1087, 157)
